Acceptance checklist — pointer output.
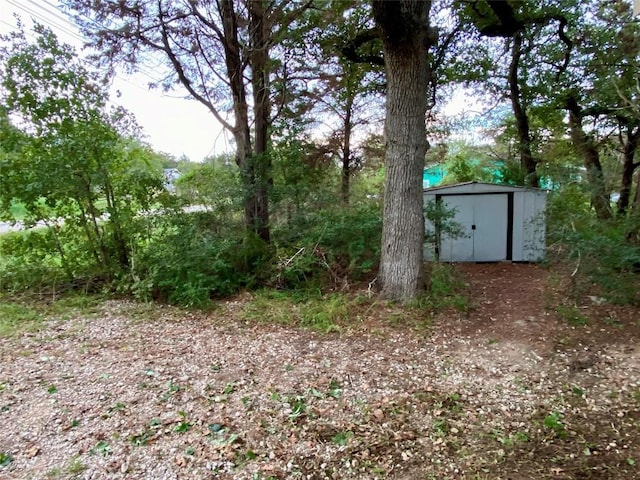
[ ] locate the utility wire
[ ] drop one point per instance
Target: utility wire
(63, 25)
(53, 17)
(46, 21)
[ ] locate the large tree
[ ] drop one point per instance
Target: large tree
(220, 52)
(512, 37)
(406, 36)
(603, 82)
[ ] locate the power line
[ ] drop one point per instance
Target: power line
(140, 67)
(63, 25)
(37, 16)
(51, 15)
(54, 13)
(8, 24)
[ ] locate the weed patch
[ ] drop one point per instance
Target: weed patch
(446, 290)
(324, 313)
(16, 318)
(572, 315)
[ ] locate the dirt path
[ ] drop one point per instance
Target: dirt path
(508, 301)
(528, 303)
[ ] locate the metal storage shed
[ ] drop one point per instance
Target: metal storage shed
(500, 222)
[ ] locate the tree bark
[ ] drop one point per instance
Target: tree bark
(261, 161)
(636, 197)
(527, 161)
(406, 38)
(252, 159)
(628, 168)
(346, 150)
(591, 158)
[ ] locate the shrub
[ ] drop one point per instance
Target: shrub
(189, 265)
(601, 252)
(331, 246)
(28, 260)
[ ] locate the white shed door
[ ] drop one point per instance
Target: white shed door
(485, 222)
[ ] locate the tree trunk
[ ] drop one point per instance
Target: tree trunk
(115, 221)
(406, 38)
(527, 161)
(261, 161)
(241, 131)
(591, 158)
(346, 151)
(628, 167)
(636, 196)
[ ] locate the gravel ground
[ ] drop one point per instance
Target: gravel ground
(507, 390)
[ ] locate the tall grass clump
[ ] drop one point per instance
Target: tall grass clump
(445, 289)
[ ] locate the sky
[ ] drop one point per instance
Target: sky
(171, 123)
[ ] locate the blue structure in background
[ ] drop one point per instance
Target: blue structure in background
(493, 170)
(170, 176)
(433, 176)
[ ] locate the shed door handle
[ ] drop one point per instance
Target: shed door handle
(473, 227)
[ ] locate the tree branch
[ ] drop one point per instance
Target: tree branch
(507, 24)
(182, 76)
(350, 49)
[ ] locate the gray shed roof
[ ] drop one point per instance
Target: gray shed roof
(478, 187)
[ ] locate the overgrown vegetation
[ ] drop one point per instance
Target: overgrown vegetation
(604, 253)
(360, 399)
(96, 216)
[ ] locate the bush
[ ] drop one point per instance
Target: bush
(28, 260)
(329, 247)
(60, 257)
(601, 252)
(190, 258)
(189, 265)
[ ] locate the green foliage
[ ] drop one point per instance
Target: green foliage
(568, 210)
(606, 253)
(304, 180)
(29, 259)
(183, 427)
(465, 162)
(215, 186)
(76, 467)
(189, 258)
(445, 289)
(553, 421)
(70, 167)
(105, 222)
(440, 224)
(342, 438)
(5, 459)
(325, 313)
(572, 315)
(16, 318)
(511, 173)
(330, 246)
(461, 169)
(103, 448)
(187, 263)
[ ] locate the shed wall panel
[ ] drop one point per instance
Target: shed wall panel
(527, 229)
